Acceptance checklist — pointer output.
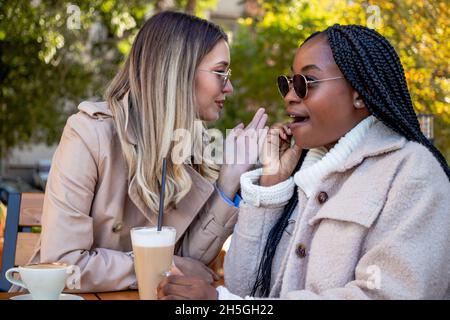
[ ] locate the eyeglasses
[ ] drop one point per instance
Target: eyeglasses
(224, 75)
(300, 84)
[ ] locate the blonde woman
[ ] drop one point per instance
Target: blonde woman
(106, 173)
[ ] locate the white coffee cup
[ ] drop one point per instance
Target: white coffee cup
(44, 281)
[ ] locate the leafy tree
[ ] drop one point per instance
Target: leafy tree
(196, 7)
(54, 54)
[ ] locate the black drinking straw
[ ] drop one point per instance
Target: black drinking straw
(161, 195)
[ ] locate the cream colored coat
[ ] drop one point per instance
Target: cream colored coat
(382, 233)
(90, 207)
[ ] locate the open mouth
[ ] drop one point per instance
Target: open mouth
(298, 118)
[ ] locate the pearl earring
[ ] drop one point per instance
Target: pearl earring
(359, 104)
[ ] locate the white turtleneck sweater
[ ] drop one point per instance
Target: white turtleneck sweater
(318, 163)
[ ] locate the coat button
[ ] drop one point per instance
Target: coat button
(117, 227)
(322, 197)
(301, 250)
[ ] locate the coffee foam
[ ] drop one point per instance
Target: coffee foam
(45, 266)
(151, 237)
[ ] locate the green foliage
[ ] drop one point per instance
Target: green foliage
(200, 6)
(419, 31)
(47, 67)
(264, 47)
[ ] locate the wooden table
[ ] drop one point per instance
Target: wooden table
(119, 295)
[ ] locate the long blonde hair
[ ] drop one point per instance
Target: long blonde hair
(158, 79)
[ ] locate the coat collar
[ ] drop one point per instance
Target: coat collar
(324, 162)
(379, 140)
(187, 209)
(366, 204)
(95, 109)
(102, 109)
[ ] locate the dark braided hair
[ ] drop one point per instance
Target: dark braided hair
(373, 68)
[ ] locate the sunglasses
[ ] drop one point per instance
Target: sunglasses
(300, 84)
(225, 76)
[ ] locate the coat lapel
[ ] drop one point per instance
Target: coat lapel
(188, 208)
(379, 140)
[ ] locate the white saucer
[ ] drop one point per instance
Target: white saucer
(63, 296)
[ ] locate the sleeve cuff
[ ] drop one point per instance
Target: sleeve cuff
(235, 201)
(258, 196)
(134, 285)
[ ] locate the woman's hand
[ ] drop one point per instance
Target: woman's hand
(177, 287)
(194, 268)
(242, 149)
(279, 156)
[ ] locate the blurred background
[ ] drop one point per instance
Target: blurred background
(54, 54)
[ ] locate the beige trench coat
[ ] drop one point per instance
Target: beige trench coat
(90, 207)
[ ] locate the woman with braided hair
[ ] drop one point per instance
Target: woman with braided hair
(358, 206)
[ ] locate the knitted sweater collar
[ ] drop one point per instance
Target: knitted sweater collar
(319, 162)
